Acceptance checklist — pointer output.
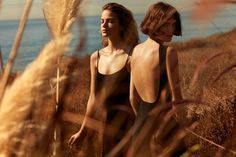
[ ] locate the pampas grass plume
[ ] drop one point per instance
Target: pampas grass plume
(29, 89)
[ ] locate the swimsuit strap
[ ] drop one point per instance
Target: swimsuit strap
(162, 60)
(98, 57)
(128, 56)
(162, 54)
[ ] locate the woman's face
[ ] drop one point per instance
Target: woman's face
(110, 26)
(166, 31)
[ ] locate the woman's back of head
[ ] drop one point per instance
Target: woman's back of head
(157, 15)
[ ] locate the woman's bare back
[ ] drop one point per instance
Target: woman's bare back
(146, 70)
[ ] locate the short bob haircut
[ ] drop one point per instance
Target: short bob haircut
(157, 15)
(126, 20)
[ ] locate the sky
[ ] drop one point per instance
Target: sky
(12, 9)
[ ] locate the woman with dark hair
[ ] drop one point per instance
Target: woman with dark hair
(109, 90)
(154, 71)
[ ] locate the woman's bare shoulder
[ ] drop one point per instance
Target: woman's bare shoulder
(137, 47)
(145, 47)
(94, 57)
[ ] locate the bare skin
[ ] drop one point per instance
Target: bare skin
(112, 58)
(145, 65)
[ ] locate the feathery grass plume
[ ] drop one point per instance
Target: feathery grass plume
(15, 47)
(57, 14)
(28, 91)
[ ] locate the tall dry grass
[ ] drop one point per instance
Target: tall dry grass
(22, 131)
(1, 62)
(15, 47)
(208, 74)
(28, 91)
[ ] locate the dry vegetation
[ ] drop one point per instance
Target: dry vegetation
(215, 117)
(29, 118)
(202, 62)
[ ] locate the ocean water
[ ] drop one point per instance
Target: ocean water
(36, 34)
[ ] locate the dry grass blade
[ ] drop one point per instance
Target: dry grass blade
(158, 113)
(203, 64)
(211, 142)
(178, 136)
(15, 47)
(162, 126)
(226, 70)
(29, 89)
(176, 103)
(1, 62)
(118, 148)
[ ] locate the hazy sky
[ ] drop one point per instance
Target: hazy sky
(12, 9)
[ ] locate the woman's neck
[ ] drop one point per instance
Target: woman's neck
(155, 40)
(115, 46)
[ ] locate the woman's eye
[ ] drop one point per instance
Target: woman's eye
(102, 21)
(165, 25)
(111, 21)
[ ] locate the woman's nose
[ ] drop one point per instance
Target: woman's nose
(104, 24)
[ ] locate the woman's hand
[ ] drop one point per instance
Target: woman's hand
(76, 137)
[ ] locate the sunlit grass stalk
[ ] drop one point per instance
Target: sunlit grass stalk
(222, 152)
(15, 47)
(225, 71)
(211, 142)
(178, 136)
(57, 101)
(157, 112)
(57, 14)
(1, 62)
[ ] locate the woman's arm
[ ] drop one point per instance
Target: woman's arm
(172, 65)
(133, 96)
(91, 101)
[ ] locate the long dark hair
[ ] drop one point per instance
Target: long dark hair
(129, 32)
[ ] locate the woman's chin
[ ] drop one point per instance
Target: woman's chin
(104, 35)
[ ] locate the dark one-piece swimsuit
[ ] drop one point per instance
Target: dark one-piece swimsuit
(151, 123)
(117, 112)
